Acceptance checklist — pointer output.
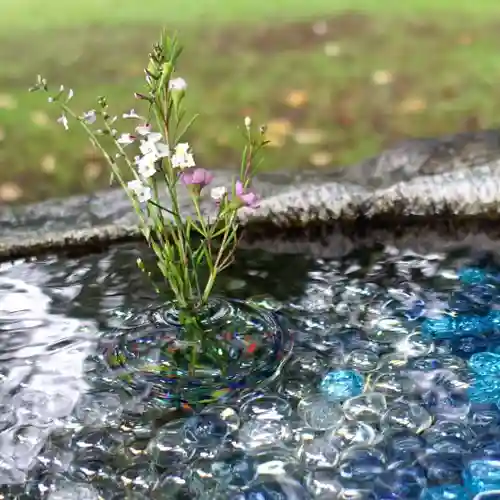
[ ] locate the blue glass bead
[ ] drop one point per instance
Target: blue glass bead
(494, 319)
(340, 385)
(484, 390)
(471, 324)
(449, 327)
(485, 364)
(446, 492)
(274, 488)
(473, 275)
(441, 328)
(482, 475)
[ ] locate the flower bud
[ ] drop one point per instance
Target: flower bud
(248, 122)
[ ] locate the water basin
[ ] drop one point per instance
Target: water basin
(372, 376)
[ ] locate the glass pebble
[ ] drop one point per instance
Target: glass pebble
(392, 385)
(324, 484)
(352, 432)
(387, 330)
(367, 407)
(340, 385)
(266, 408)
(400, 480)
(403, 445)
(362, 360)
(411, 416)
(442, 468)
(276, 461)
(255, 433)
(205, 430)
(320, 452)
(448, 327)
(169, 446)
(488, 495)
(232, 470)
(482, 475)
(484, 390)
(472, 275)
(360, 463)
(74, 491)
(99, 409)
(450, 437)
(392, 362)
(274, 488)
(445, 492)
(485, 364)
(318, 413)
(227, 414)
(413, 346)
(139, 477)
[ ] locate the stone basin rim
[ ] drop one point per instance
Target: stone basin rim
(392, 197)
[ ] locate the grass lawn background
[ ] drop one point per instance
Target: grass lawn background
(336, 80)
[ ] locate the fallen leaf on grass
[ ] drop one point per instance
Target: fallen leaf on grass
(277, 131)
(10, 192)
(48, 164)
(332, 49)
(321, 158)
(465, 39)
(296, 98)
(382, 77)
(412, 105)
(320, 28)
(7, 102)
(308, 136)
(40, 118)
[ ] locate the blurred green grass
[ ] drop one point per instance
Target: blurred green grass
(336, 80)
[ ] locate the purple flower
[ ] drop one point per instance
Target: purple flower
(249, 197)
(199, 177)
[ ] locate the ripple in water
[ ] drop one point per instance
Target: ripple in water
(392, 390)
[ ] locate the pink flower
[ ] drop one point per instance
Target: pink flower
(196, 177)
(249, 197)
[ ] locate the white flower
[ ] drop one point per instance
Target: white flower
(146, 165)
(140, 190)
(177, 84)
(144, 129)
(153, 146)
(248, 121)
(131, 114)
(63, 120)
(217, 193)
(71, 93)
(125, 139)
(89, 116)
(182, 157)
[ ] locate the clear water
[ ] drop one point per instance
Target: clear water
(392, 390)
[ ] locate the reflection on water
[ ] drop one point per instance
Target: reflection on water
(393, 387)
(42, 365)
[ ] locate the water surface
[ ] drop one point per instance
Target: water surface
(391, 389)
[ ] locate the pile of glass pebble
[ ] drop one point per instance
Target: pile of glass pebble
(393, 392)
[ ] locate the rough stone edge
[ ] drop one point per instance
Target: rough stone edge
(318, 212)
